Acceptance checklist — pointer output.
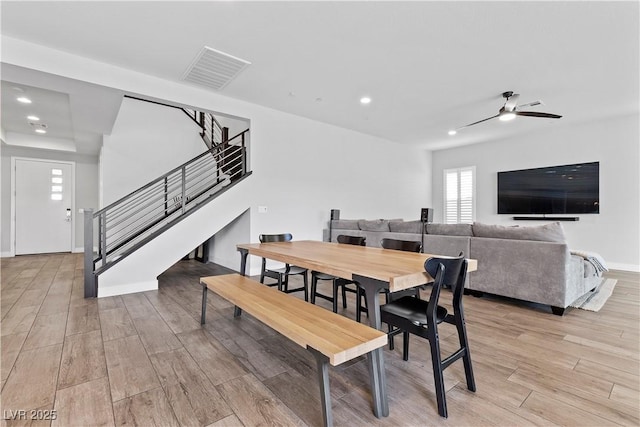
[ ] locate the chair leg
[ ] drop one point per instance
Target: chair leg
(306, 286)
(314, 286)
(391, 343)
(405, 345)
(335, 296)
(438, 378)
(280, 288)
(359, 292)
(344, 296)
(466, 359)
(366, 307)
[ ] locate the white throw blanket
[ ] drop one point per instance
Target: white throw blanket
(594, 258)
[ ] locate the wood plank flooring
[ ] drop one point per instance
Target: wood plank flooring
(143, 359)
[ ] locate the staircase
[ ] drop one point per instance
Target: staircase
(129, 224)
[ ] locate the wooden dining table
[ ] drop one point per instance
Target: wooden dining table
(374, 269)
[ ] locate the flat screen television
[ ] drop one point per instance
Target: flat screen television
(566, 189)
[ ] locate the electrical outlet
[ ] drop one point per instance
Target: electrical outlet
(262, 209)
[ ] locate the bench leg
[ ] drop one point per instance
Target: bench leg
(203, 314)
(376, 370)
(322, 362)
(237, 311)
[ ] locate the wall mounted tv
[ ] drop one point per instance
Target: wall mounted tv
(567, 189)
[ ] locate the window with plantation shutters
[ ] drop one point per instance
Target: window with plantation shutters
(459, 195)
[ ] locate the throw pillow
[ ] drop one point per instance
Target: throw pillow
(552, 232)
(345, 224)
(405, 227)
(374, 225)
(450, 229)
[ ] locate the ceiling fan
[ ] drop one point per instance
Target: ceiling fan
(510, 110)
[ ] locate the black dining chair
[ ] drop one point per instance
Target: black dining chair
(400, 245)
(338, 282)
(281, 275)
(420, 317)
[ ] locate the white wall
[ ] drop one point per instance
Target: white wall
(147, 141)
(86, 188)
(615, 232)
(223, 242)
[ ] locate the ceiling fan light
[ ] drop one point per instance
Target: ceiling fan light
(505, 117)
(452, 132)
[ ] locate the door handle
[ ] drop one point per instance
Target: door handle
(68, 217)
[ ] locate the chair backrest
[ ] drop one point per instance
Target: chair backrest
(450, 271)
(267, 238)
(352, 240)
(401, 245)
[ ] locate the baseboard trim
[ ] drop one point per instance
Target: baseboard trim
(7, 254)
(624, 267)
(128, 288)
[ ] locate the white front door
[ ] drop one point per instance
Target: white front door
(43, 206)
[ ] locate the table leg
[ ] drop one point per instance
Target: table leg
(244, 253)
(237, 311)
(372, 289)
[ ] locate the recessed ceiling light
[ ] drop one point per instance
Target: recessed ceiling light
(452, 132)
(24, 100)
(41, 131)
(365, 100)
(34, 118)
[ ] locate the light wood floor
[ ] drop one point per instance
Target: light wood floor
(143, 359)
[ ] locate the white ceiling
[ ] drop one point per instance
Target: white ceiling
(428, 66)
(76, 113)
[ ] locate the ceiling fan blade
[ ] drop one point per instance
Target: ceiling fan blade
(537, 114)
(511, 102)
(531, 104)
(479, 121)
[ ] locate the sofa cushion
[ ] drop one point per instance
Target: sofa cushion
(450, 229)
(345, 224)
(405, 227)
(552, 232)
(374, 225)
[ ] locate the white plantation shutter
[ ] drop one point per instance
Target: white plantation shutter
(459, 195)
(451, 196)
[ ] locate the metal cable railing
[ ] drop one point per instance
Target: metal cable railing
(127, 224)
(211, 128)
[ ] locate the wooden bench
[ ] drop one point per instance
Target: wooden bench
(330, 337)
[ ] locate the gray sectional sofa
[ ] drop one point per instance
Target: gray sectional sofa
(531, 263)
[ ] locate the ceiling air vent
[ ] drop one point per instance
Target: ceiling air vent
(214, 69)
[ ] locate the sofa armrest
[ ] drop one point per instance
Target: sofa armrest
(523, 269)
